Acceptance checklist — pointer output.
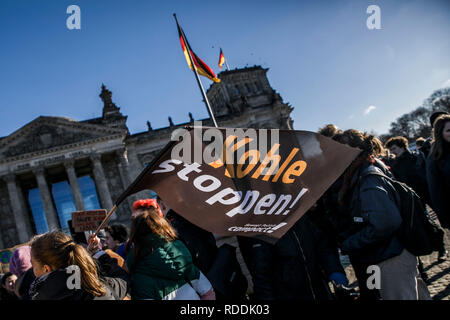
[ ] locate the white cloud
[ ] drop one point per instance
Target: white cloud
(369, 110)
(351, 116)
(446, 84)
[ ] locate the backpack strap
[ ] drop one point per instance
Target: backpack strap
(380, 174)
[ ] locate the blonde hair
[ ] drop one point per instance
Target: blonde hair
(58, 250)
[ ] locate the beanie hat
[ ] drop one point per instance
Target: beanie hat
(20, 260)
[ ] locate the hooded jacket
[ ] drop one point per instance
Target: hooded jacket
(165, 271)
(376, 218)
(54, 285)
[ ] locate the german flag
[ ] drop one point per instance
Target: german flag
(221, 59)
(201, 67)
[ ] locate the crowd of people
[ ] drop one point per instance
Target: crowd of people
(163, 256)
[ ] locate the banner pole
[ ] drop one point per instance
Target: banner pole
(105, 220)
(194, 69)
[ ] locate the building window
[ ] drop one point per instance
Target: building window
(247, 88)
(89, 193)
(62, 196)
(237, 91)
(37, 209)
(257, 87)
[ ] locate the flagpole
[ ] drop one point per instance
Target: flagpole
(194, 69)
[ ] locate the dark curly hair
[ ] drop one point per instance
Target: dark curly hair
(399, 141)
(356, 139)
(329, 130)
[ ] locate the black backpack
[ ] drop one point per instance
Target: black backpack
(418, 233)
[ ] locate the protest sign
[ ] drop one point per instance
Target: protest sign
(87, 220)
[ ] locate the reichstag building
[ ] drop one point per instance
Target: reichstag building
(53, 166)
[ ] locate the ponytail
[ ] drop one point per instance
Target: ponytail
(89, 275)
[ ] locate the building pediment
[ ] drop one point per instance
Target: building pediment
(51, 133)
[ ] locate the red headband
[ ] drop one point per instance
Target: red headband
(145, 203)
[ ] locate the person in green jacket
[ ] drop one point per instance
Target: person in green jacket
(160, 265)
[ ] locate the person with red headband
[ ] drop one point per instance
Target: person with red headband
(145, 204)
(160, 265)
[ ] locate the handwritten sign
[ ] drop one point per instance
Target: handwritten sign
(87, 220)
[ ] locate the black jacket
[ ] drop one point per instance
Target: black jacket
(438, 176)
(200, 243)
(426, 147)
(296, 267)
(376, 218)
(23, 284)
(53, 285)
(333, 218)
(410, 168)
(7, 296)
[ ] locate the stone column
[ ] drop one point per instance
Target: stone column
(125, 174)
(102, 184)
(23, 226)
(28, 218)
(73, 181)
(124, 167)
(135, 166)
(2, 246)
(224, 91)
(47, 200)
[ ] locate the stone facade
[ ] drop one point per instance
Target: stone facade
(52, 149)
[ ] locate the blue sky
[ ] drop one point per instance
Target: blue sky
(323, 59)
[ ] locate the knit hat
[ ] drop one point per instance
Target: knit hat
(20, 260)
